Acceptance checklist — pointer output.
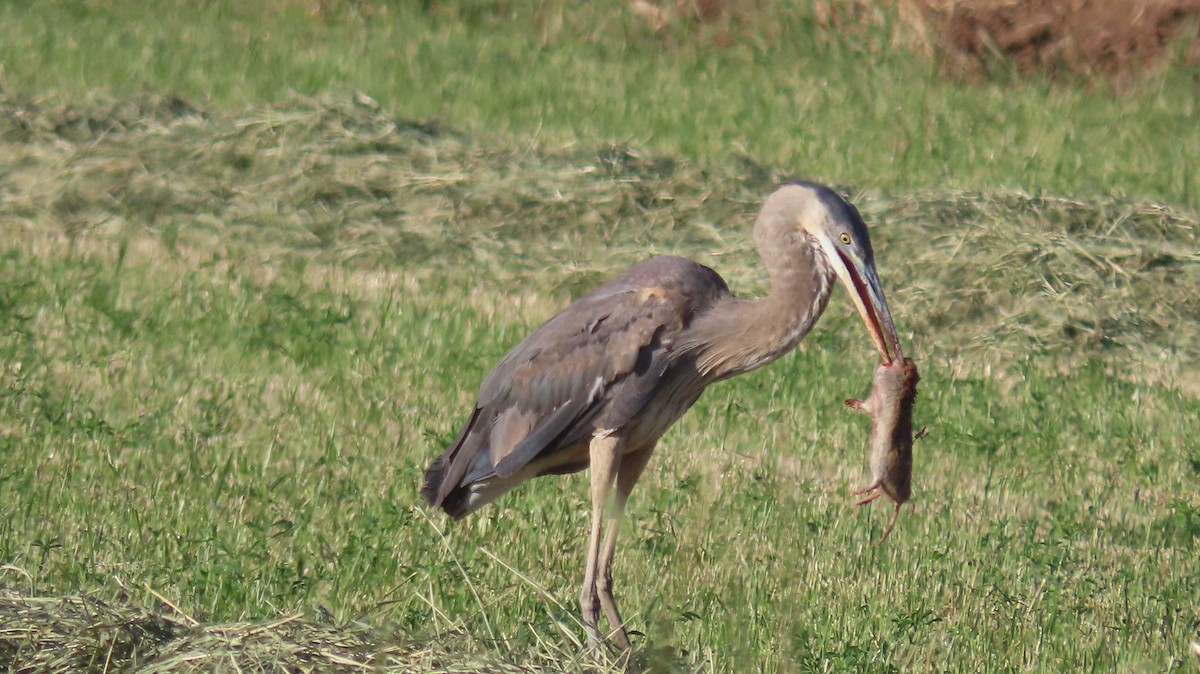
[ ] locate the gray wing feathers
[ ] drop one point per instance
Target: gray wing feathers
(548, 431)
(594, 365)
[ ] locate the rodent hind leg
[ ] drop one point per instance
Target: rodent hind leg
(875, 491)
(891, 524)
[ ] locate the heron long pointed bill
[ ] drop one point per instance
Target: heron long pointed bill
(867, 293)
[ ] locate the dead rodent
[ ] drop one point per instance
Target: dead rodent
(890, 405)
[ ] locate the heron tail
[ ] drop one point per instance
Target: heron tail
(454, 503)
(433, 481)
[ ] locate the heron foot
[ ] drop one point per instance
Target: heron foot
(590, 604)
(618, 634)
(589, 610)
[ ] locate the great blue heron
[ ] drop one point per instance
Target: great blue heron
(599, 383)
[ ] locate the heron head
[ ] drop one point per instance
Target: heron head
(834, 227)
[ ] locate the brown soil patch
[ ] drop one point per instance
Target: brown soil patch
(1120, 38)
(1114, 37)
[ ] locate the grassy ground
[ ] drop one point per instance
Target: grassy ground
(231, 345)
(788, 90)
(235, 328)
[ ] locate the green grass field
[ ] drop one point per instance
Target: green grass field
(236, 327)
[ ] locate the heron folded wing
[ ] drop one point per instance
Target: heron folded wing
(562, 418)
(601, 356)
(511, 426)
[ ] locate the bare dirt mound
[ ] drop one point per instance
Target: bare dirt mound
(1114, 37)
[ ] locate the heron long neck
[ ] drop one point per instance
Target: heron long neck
(738, 335)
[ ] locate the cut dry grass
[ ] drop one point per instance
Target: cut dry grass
(989, 278)
(84, 634)
(1008, 277)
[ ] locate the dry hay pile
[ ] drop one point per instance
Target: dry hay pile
(985, 279)
(1053, 280)
(82, 634)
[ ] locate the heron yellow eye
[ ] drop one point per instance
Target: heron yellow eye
(845, 238)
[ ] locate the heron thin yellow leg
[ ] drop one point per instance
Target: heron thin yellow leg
(605, 456)
(632, 465)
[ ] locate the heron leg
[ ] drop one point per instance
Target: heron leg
(632, 465)
(605, 457)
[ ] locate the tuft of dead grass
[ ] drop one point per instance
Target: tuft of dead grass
(83, 634)
(62, 634)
